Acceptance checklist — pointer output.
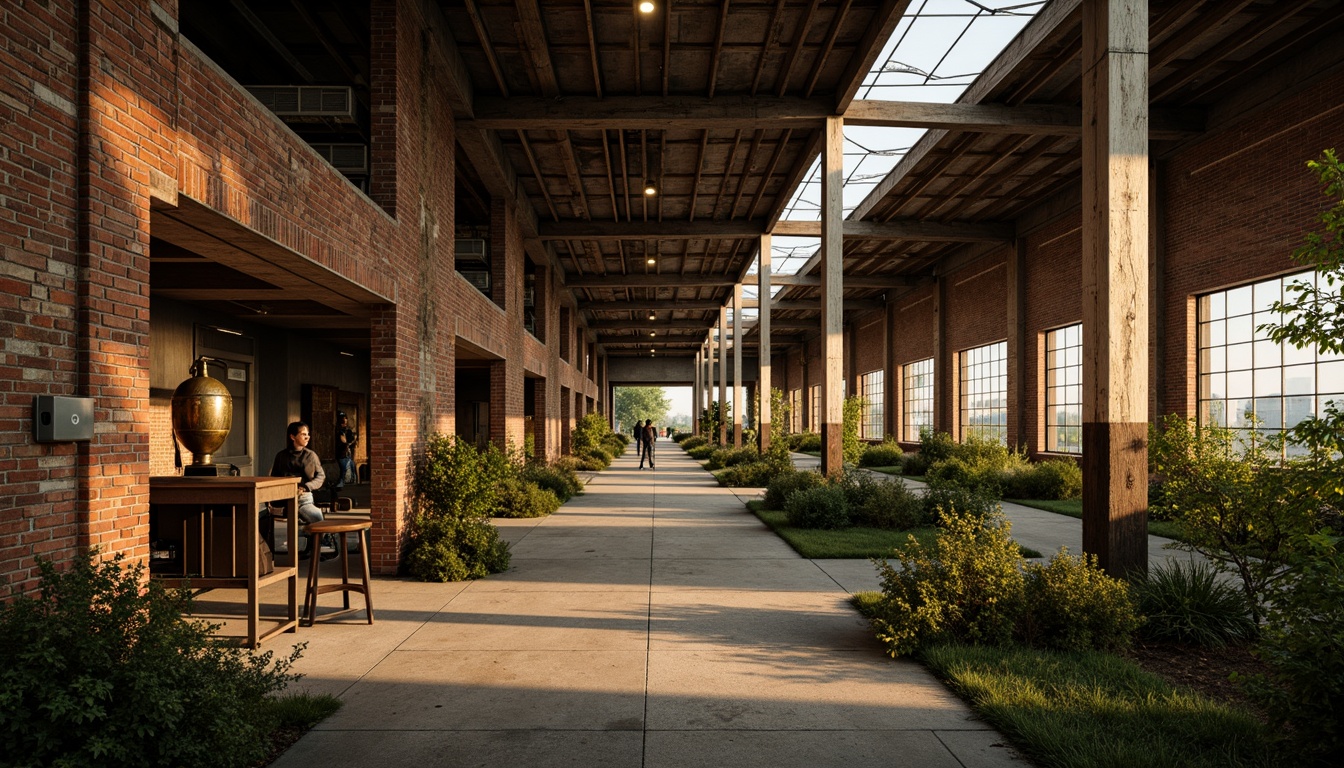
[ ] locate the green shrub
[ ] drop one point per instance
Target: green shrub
(788, 482)
(702, 452)
(729, 457)
(101, 669)
(1186, 602)
(559, 479)
(936, 446)
(1072, 605)
(1051, 479)
(592, 459)
(754, 474)
(943, 496)
(1303, 644)
(693, 441)
(881, 455)
(805, 441)
(966, 587)
(588, 432)
(850, 445)
(451, 549)
(522, 498)
(890, 505)
(612, 444)
(622, 437)
(914, 464)
(823, 507)
(953, 471)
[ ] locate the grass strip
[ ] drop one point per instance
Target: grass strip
(846, 543)
(1169, 529)
(1095, 710)
(892, 470)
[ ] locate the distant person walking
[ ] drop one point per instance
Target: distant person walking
(649, 435)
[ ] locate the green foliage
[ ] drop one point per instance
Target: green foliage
(521, 498)
(805, 441)
(453, 549)
(780, 418)
(851, 445)
(728, 457)
(878, 503)
(694, 441)
(886, 454)
(702, 452)
(455, 490)
(967, 587)
(101, 669)
(1051, 479)
(823, 507)
(589, 432)
(1303, 644)
(936, 446)
(1242, 507)
(1188, 603)
(943, 496)
(753, 474)
(632, 405)
(715, 415)
(559, 479)
(592, 458)
(1072, 605)
(300, 710)
(788, 482)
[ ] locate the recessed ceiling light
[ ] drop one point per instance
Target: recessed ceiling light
(651, 261)
(653, 333)
(650, 189)
(652, 316)
(646, 7)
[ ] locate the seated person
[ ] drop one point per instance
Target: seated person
(299, 461)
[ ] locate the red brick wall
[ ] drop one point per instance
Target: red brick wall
(1054, 276)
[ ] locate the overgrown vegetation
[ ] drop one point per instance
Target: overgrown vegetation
(455, 490)
(593, 444)
(102, 669)
(1186, 602)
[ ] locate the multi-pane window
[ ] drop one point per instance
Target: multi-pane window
(814, 416)
(1064, 390)
(1247, 381)
(796, 410)
(874, 409)
(984, 392)
(917, 399)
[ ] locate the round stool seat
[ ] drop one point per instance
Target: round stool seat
(315, 531)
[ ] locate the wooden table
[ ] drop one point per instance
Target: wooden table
(216, 521)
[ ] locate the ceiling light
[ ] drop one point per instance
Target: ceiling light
(653, 333)
(651, 261)
(652, 316)
(229, 331)
(646, 7)
(347, 354)
(650, 189)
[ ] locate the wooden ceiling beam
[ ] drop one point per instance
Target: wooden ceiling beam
(1048, 119)
(642, 324)
(850, 281)
(650, 230)
(907, 229)
(648, 281)
(659, 305)
(586, 113)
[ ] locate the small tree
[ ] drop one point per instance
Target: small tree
(853, 415)
(455, 491)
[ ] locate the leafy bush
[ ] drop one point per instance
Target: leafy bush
(1303, 644)
(852, 414)
(823, 507)
(613, 445)
(592, 459)
(455, 490)
(966, 587)
(522, 498)
(101, 669)
(886, 454)
(681, 437)
(453, 549)
(588, 432)
(882, 503)
(1052, 479)
(560, 479)
(805, 441)
(702, 452)
(623, 438)
(943, 496)
(693, 441)
(753, 474)
(786, 483)
(1072, 605)
(936, 446)
(1188, 603)
(728, 457)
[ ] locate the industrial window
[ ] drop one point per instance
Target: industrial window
(1244, 377)
(814, 416)
(984, 392)
(796, 410)
(873, 409)
(1064, 390)
(917, 406)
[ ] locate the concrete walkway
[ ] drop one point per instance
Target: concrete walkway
(652, 621)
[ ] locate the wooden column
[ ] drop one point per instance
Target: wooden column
(695, 392)
(832, 297)
(1016, 352)
(723, 373)
(763, 375)
(943, 382)
(739, 403)
(1115, 284)
(706, 379)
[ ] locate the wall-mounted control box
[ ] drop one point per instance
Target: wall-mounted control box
(59, 419)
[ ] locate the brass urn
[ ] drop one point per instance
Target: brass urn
(202, 412)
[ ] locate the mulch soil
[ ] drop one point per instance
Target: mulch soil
(281, 739)
(1207, 670)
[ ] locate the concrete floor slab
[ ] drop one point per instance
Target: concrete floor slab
(797, 749)
(788, 621)
(728, 545)
(852, 575)
(553, 621)
(450, 749)
(786, 574)
(497, 690)
(800, 689)
(537, 574)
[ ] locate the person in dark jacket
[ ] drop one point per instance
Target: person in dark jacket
(299, 461)
(649, 436)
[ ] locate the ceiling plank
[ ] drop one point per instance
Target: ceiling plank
(647, 281)
(652, 306)
(850, 281)
(587, 113)
(649, 230)
(907, 229)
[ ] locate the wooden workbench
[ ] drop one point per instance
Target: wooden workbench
(215, 519)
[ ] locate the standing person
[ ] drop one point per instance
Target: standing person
(299, 461)
(650, 437)
(345, 448)
(642, 442)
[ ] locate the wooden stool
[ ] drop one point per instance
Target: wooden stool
(342, 527)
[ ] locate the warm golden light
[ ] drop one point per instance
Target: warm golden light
(651, 261)
(646, 7)
(650, 189)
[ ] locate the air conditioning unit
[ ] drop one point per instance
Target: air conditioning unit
(480, 278)
(305, 103)
(469, 249)
(350, 159)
